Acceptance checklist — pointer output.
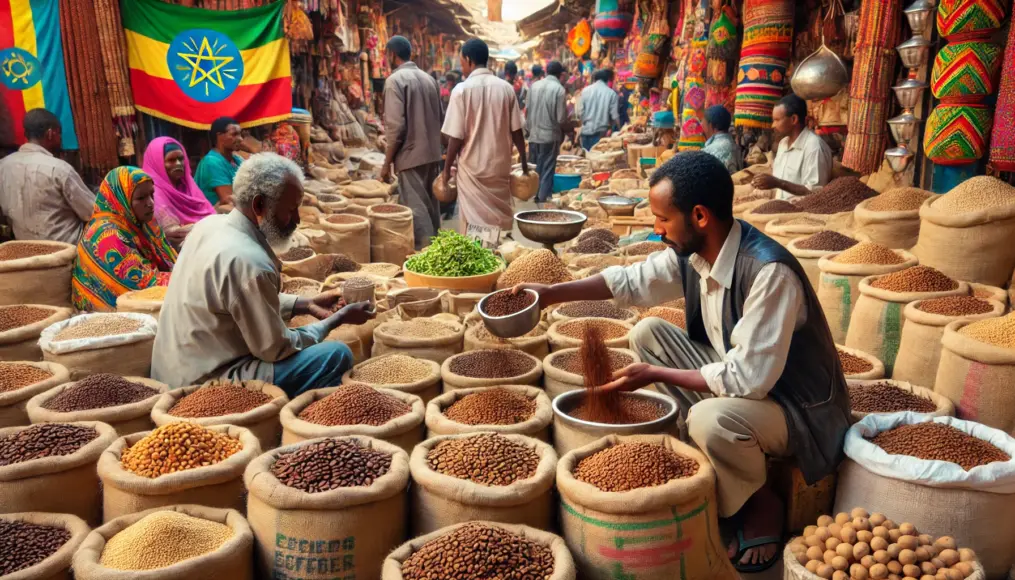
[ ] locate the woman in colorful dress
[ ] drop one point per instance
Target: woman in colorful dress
(179, 202)
(122, 248)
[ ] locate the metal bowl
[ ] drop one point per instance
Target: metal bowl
(899, 158)
(550, 232)
(618, 205)
(512, 325)
(564, 403)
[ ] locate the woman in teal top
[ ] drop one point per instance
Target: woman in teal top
(215, 172)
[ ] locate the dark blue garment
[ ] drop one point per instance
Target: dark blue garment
(544, 157)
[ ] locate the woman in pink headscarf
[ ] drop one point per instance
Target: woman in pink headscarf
(179, 202)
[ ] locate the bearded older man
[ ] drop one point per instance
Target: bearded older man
(224, 315)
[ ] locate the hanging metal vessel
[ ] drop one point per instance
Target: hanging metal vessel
(820, 76)
(920, 15)
(915, 52)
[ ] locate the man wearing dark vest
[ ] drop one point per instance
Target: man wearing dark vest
(756, 373)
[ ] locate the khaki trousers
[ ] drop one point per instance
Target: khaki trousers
(735, 434)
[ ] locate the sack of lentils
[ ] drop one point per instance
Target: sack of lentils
(943, 475)
(481, 476)
(891, 219)
(391, 235)
(920, 346)
(355, 409)
(399, 372)
(118, 344)
(535, 342)
(159, 468)
(51, 468)
(562, 369)
(19, 382)
(858, 365)
(839, 285)
(487, 368)
(344, 497)
(810, 249)
(420, 337)
(36, 272)
(321, 266)
(759, 215)
(785, 230)
(875, 325)
(481, 550)
(835, 202)
(180, 542)
(254, 405)
(571, 333)
(148, 301)
(123, 403)
(39, 546)
(303, 287)
(21, 326)
(651, 490)
(893, 396)
(593, 308)
(516, 409)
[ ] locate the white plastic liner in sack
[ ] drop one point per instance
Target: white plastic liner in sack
(128, 354)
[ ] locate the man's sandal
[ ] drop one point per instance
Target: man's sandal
(743, 545)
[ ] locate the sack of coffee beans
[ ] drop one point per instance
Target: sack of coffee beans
(399, 372)
(420, 337)
(36, 272)
(920, 346)
(562, 370)
(481, 550)
(808, 250)
(859, 365)
(41, 545)
(20, 328)
(786, 230)
(123, 403)
(51, 468)
(516, 409)
(148, 301)
(179, 542)
(891, 219)
(571, 333)
(144, 470)
(114, 343)
(875, 326)
(391, 233)
(941, 474)
(19, 382)
(651, 490)
(253, 405)
(894, 396)
(481, 476)
(355, 409)
(487, 368)
(344, 496)
(535, 342)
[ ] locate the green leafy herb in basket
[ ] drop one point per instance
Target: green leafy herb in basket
(451, 254)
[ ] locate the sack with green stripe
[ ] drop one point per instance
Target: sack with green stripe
(839, 288)
(652, 533)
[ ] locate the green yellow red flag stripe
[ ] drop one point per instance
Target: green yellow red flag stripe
(262, 64)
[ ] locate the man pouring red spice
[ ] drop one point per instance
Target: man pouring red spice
(756, 373)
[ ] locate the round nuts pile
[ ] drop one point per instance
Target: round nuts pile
(853, 365)
(98, 392)
(540, 266)
(99, 325)
(505, 302)
(572, 363)
(996, 331)
(485, 459)
(915, 279)
(975, 194)
(955, 306)
(887, 398)
(869, 253)
(162, 539)
(498, 363)
(14, 376)
(597, 308)
(24, 544)
(628, 466)
(354, 404)
(12, 317)
(496, 406)
(177, 447)
(22, 250)
(479, 551)
(330, 464)
(45, 440)
(578, 328)
(419, 328)
(826, 241)
(218, 400)
(939, 442)
(396, 369)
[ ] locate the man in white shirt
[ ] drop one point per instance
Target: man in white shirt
(756, 373)
(803, 161)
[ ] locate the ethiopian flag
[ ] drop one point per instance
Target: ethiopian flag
(31, 68)
(192, 66)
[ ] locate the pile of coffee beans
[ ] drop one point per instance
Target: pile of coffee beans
(506, 302)
(645, 248)
(496, 406)
(499, 363)
(624, 410)
(899, 199)
(996, 331)
(354, 404)
(218, 400)
(840, 195)
(98, 392)
(853, 365)
(540, 266)
(597, 308)
(396, 369)
(330, 464)
(628, 466)
(578, 329)
(826, 241)
(603, 234)
(24, 544)
(419, 328)
(776, 206)
(177, 447)
(868, 253)
(955, 306)
(548, 216)
(485, 459)
(45, 440)
(593, 246)
(572, 363)
(478, 550)
(939, 442)
(21, 250)
(12, 317)
(296, 254)
(887, 398)
(341, 264)
(99, 325)
(14, 376)
(915, 279)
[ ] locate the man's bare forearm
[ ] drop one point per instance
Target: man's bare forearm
(591, 288)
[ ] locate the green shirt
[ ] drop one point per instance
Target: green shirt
(214, 171)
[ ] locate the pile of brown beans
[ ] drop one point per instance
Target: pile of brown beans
(491, 364)
(419, 328)
(939, 442)
(578, 329)
(296, 254)
(496, 406)
(645, 248)
(177, 447)
(22, 250)
(505, 302)
(915, 279)
(98, 392)
(396, 369)
(841, 194)
(297, 286)
(45, 440)
(572, 363)
(330, 464)
(354, 404)
(955, 306)
(477, 550)
(593, 246)
(485, 459)
(853, 365)
(628, 466)
(24, 544)
(869, 253)
(826, 241)
(608, 236)
(14, 376)
(12, 317)
(996, 331)
(899, 199)
(776, 206)
(539, 266)
(627, 410)
(342, 263)
(389, 208)
(887, 398)
(98, 326)
(218, 400)
(597, 308)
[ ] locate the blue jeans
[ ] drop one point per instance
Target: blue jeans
(589, 141)
(544, 157)
(317, 367)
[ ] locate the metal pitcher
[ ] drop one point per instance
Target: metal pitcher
(820, 76)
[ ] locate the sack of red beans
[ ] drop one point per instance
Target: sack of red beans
(45, 544)
(20, 328)
(893, 396)
(20, 381)
(515, 409)
(36, 272)
(123, 403)
(344, 497)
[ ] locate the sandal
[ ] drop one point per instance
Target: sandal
(743, 545)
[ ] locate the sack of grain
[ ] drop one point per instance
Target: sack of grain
(416, 302)
(234, 559)
(487, 368)
(562, 369)
(369, 417)
(36, 272)
(535, 342)
(524, 186)
(346, 234)
(55, 566)
(676, 522)
(875, 326)
(217, 485)
(419, 337)
(870, 397)
(360, 337)
(117, 343)
(367, 188)
(567, 333)
(354, 527)
(784, 230)
(125, 418)
(808, 250)
(260, 417)
(839, 284)
(920, 346)
(987, 292)
(61, 484)
(891, 219)
(148, 301)
(303, 287)
(20, 328)
(938, 497)
(19, 382)
(399, 372)
(499, 409)
(977, 370)
(391, 233)
(593, 308)
(859, 365)
(776, 209)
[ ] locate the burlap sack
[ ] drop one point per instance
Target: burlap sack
(988, 292)
(877, 367)
(920, 347)
(560, 341)
(38, 280)
(349, 530)
(64, 484)
(839, 288)
(22, 343)
(876, 323)
(128, 355)
(741, 207)
(461, 303)
(537, 426)
(974, 246)
(786, 230)
(563, 563)
(436, 349)
(416, 302)
(978, 378)
(808, 260)
(557, 381)
(57, 565)
(262, 421)
(124, 419)
(538, 345)
(13, 404)
(454, 380)
(333, 207)
(760, 220)
(675, 526)
(945, 408)
(367, 188)
(440, 500)
(426, 388)
(347, 234)
(391, 234)
(892, 229)
(234, 559)
(360, 337)
(556, 315)
(130, 303)
(405, 431)
(317, 267)
(794, 570)
(302, 287)
(219, 485)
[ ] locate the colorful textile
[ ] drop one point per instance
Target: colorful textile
(963, 19)
(579, 39)
(1002, 140)
(965, 72)
(214, 171)
(118, 254)
(32, 72)
(764, 56)
(957, 134)
(183, 201)
(190, 66)
(721, 55)
(613, 20)
(648, 64)
(285, 141)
